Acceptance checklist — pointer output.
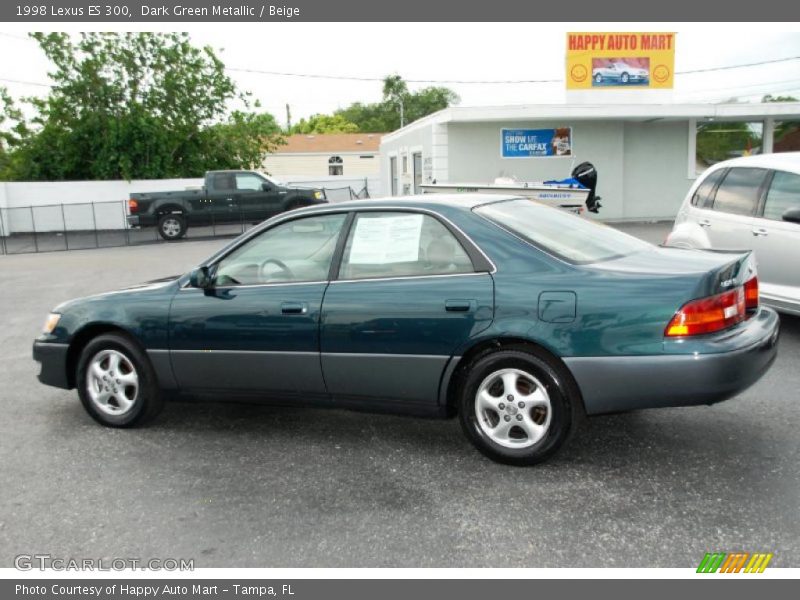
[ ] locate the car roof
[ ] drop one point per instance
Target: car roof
(428, 201)
(785, 161)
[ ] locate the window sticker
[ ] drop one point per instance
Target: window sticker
(384, 240)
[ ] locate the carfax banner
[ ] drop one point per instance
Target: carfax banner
(533, 143)
(620, 60)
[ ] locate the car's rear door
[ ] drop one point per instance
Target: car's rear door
(222, 198)
(407, 295)
(257, 329)
(777, 242)
(733, 206)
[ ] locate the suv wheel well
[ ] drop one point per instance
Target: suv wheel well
(481, 349)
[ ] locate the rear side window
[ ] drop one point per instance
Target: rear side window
(739, 191)
(572, 238)
(783, 194)
(703, 195)
(399, 244)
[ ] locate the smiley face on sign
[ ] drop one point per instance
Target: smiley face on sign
(579, 73)
(661, 73)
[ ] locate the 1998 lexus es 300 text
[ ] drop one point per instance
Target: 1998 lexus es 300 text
(517, 317)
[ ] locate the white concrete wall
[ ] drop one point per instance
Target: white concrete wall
(86, 205)
(642, 166)
(417, 140)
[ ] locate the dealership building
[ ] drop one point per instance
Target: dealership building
(647, 155)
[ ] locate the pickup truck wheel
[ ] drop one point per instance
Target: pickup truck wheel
(172, 226)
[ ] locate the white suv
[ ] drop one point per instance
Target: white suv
(750, 203)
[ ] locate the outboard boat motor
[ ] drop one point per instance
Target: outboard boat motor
(586, 175)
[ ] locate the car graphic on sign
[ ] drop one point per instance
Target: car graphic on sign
(620, 72)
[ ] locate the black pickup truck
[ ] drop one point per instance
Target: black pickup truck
(226, 197)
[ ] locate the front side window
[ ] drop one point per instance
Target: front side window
(398, 244)
(248, 182)
(296, 251)
(572, 238)
(783, 195)
(739, 191)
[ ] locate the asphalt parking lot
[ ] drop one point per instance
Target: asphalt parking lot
(233, 485)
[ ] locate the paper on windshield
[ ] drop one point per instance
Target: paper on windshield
(385, 240)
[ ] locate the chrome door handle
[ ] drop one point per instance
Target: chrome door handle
(704, 223)
(760, 231)
(294, 308)
(459, 305)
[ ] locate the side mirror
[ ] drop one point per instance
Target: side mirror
(200, 278)
(266, 186)
(792, 215)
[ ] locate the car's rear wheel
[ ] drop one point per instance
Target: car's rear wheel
(625, 78)
(517, 408)
(116, 382)
(598, 78)
(172, 226)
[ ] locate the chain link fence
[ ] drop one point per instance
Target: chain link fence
(80, 226)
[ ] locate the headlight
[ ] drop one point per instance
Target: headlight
(51, 322)
(318, 195)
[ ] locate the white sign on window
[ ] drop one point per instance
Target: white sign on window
(383, 240)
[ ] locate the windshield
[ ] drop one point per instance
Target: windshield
(273, 180)
(567, 236)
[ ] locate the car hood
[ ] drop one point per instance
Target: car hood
(154, 285)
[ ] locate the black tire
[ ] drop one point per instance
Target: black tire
(598, 78)
(625, 78)
(172, 226)
(147, 402)
(564, 408)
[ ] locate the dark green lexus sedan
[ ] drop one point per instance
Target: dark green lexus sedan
(516, 317)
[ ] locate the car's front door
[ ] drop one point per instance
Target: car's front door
(777, 242)
(256, 201)
(730, 220)
(257, 328)
(406, 297)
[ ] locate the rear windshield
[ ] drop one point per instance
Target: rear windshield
(567, 236)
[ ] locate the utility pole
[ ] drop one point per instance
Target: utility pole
(402, 116)
(288, 118)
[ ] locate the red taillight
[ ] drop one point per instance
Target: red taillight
(708, 315)
(751, 293)
(133, 206)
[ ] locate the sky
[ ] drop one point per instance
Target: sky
(434, 51)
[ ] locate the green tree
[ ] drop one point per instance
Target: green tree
(783, 128)
(138, 105)
(324, 124)
(721, 141)
(13, 130)
(385, 115)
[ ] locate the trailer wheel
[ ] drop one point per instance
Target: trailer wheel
(172, 226)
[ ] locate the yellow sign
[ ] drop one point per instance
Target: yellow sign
(604, 60)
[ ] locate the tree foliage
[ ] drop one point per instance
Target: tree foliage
(324, 124)
(385, 115)
(137, 105)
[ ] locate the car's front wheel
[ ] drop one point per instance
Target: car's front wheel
(516, 407)
(116, 382)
